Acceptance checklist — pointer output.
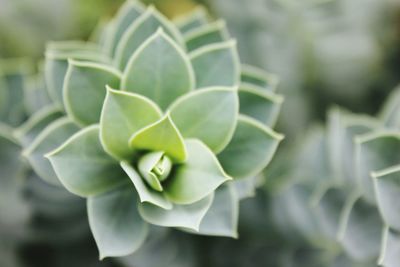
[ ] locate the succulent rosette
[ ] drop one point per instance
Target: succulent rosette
(154, 124)
(350, 188)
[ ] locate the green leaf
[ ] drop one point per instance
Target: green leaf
(4, 97)
(223, 215)
(49, 139)
(127, 14)
(343, 127)
(360, 229)
(15, 211)
(159, 70)
(293, 212)
(145, 194)
(198, 177)
(258, 77)
(193, 20)
(85, 89)
(391, 110)
(28, 131)
(124, 114)
(390, 252)
(35, 94)
(155, 168)
(328, 205)
(140, 30)
(250, 150)
(216, 65)
(246, 187)
(82, 165)
(375, 152)
(160, 136)
(56, 65)
(215, 32)
(259, 104)
(13, 75)
(115, 223)
(387, 188)
(215, 110)
(186, 216)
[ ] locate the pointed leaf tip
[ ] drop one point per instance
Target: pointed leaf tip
(159, 70)
(161, 136)
(122, 115)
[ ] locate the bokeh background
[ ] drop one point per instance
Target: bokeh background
(326, 53)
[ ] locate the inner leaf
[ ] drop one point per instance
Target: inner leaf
(155, 168)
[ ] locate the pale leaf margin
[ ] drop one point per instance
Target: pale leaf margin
(276, 99)
(219, 25)
(210, 89)
(151, 11)
(277, 136)
(85, 64)
(145, 44)
(218, 46)
(270, 79)
(34, 120)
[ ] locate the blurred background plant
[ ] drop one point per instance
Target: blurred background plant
(325, 52)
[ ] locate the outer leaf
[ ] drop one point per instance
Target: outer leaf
(246, 187)
(387, 188)
(56, 66)
(223, 215)
(374, 152)
(250, 150)
(13, 74)
(35, 94)
(27, 132)
(215, 110)
(85, 89)
(139, 31)
(391, 110)
(49, 139)
(259, 104)
(159, 70)
(198, 177)
(343, 127)
(215, 32)
(115, 222)
(191, 21)
(390, 251)
(83, 167)
(4, 96)
(216, 65)
(258, 77)
(171, 251)
(127, 14)
(145, 193)
(328, 206)
(186, 216)
(360, 229)
(161, 136)
(14, 211)
(124, 114)
(293, 212)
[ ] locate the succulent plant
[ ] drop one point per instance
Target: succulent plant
(154, 124)
(349, 188)
(326, 52)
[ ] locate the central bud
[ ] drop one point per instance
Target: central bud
(155, 167)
